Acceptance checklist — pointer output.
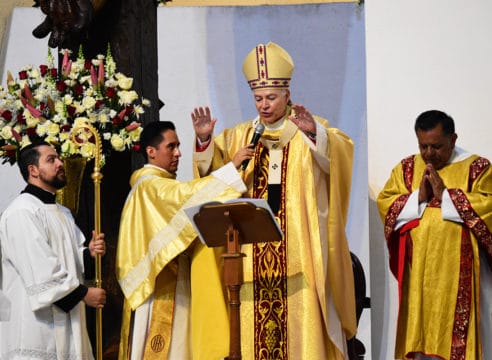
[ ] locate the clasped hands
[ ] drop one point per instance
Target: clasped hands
(431, 185)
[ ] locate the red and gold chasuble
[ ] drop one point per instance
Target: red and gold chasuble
(436, 261)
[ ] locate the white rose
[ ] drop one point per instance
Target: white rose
(79, 108)
(125, 83)
(59, 107)
(41, 129)
(88, 102)
(6, 132)
(53, 129)
(135, 134)
(25, 141)
(31, 121)
(80, 121)
(103, 118)
(34, 73)
(111, 83)
(87, 150)
(117, 143)
(92, 117)
(127, 97)
(64, 136)
(67, 147)
(89, 91)
(67, 99)
(138, 110)
(51, 139)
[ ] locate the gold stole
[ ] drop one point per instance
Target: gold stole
(161, 324)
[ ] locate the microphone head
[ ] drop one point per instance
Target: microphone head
(259, 128)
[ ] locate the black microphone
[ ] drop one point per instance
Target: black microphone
(254, 140)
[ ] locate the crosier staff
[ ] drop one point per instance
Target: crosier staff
(96, 178)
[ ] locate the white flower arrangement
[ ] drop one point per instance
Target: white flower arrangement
(43, 104)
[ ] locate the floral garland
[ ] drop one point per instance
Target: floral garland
(43, 104)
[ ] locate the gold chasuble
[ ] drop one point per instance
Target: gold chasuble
(156, 246)
(437, 261)
(297, 300)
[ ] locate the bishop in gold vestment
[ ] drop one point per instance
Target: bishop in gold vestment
(297, 300)
(440, 247)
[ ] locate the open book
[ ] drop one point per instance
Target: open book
(253, 218)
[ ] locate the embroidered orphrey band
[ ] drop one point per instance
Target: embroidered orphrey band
(270, 273)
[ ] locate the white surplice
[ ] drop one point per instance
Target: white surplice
(42, 262)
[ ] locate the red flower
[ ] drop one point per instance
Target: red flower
(61, 86)
(53, 73)
(99, 103)
(43, 69)
(65, 128)
(31, 131)
(23, 75)
(117, 120)
(129, 110)
(136, 147)
(78, 89)
(7, 115)
(21, 120)
(70, 110)
(110, 92)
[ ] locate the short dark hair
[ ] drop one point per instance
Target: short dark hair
(29, 155)
(428, 120)
(152, 135)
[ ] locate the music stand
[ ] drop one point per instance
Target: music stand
(230, 225)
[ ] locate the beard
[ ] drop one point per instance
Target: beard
(58, 181)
